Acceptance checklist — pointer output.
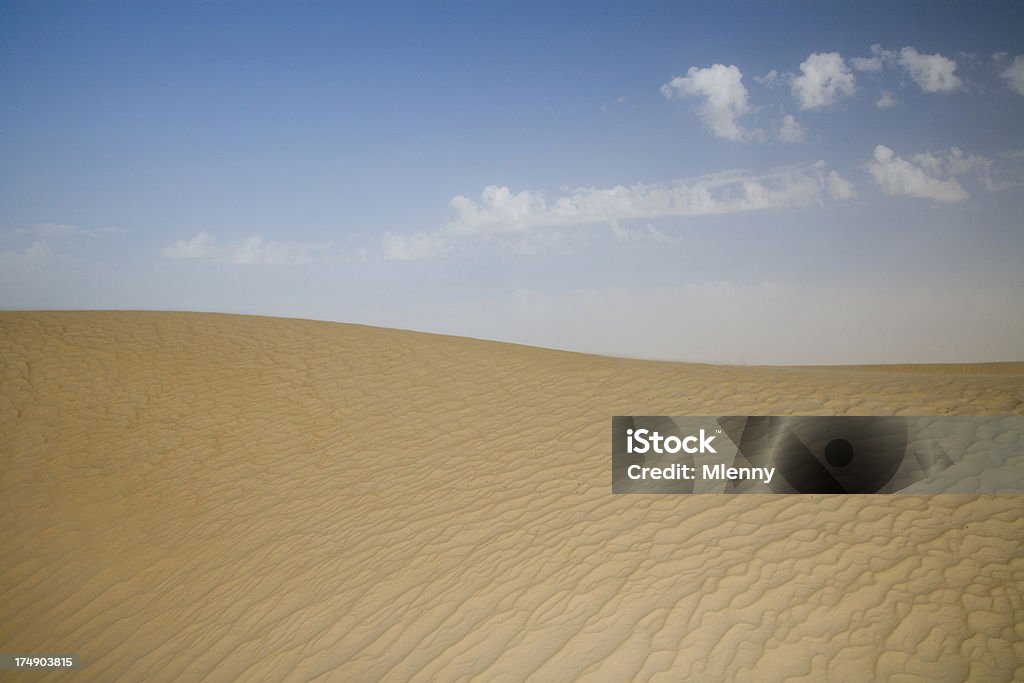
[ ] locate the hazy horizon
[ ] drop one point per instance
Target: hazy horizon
(646, 181)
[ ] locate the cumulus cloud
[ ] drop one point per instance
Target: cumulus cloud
(1014, 75)
(501, 211)
(867, 64)
(839, 187)
(250, 251)
(790, 130)
(886, 101)
(927, 175)
(824, 79)
(876, 62)
(957, 162)
(725, 99)
(933, 73)
(499, 208)
(773, 78)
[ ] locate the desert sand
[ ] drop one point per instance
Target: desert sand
(214, 497)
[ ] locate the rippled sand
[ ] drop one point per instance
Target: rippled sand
(200, 496)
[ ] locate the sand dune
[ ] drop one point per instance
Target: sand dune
(212, 497)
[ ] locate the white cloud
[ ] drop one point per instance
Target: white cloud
(824, 80)
(867, 64)
(839, 187)
(647, 234)
(772, 78)
(501, 211)
(414, 247)
(250, 251)
(927, 176)
(791, 130)
(886, 101)
(253, 250)
(1014, 75)
(876, 62)
(957, 163)
(35, 258)
(200, 246)
(725, 99)
(933, 73)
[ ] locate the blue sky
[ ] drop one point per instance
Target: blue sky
(726, 182)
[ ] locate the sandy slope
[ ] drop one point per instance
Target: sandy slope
(194, 496)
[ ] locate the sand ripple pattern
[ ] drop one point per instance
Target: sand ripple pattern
(191, 497)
